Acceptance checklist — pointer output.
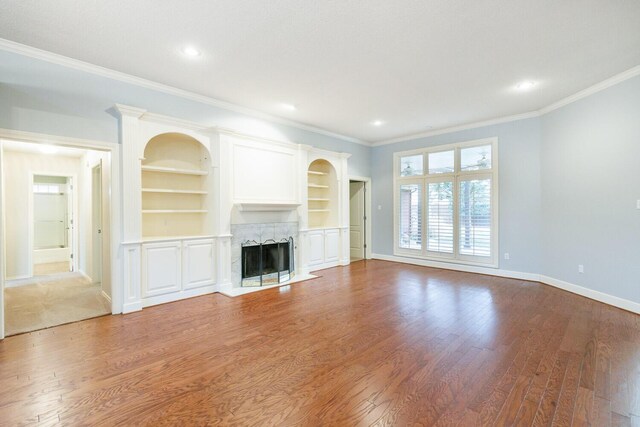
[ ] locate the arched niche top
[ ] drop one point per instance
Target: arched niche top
(323, 165)
(176, 150)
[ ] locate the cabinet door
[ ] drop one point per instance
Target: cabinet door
(316, 247)
(331, 245)
(198, 263)
(161, 267)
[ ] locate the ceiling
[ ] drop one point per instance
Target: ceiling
(416, 65)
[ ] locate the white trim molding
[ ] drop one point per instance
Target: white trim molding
(614, 301)
(54, 58)
(612, 81)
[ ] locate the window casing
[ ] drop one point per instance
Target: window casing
(452, 212)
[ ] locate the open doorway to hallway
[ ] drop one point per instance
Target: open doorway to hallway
(359, 229)
(56, 206)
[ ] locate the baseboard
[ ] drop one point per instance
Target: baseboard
(170, 297)
(622, 303)
(460, 267)
(14, 281)
(130, 307)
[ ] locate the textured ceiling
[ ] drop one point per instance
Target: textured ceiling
(415, 64)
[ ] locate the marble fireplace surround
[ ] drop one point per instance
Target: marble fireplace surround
(259, 232)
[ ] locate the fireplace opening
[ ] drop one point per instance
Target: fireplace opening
(267, 263)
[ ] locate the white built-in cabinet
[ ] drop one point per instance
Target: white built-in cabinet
(324, 248)
(176, 266)
(325, 237)
(183, 185)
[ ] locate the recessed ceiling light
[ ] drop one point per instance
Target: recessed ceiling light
(289, 107)
(377, 122)
(191, 51)
(48, 149)
(525, 86)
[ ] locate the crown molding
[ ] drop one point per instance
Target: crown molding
(611, 81)
(458, 128)
(54, 58)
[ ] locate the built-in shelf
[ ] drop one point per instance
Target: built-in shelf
(169, 190)
(161, 169)
(171, 211)
(176, 187)
(322, 199)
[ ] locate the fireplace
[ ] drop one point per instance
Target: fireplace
(267, 263)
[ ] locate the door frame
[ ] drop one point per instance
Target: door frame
(97, 167)
(115, 203)
(75, 230)
(367, 213)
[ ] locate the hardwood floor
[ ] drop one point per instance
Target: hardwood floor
(376, 343)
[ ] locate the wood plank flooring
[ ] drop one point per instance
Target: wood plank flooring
(376, 343)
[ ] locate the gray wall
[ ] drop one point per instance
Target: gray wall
(38, 96)
(519, 180)
(590, 168)
(569, 184)
(569, 180)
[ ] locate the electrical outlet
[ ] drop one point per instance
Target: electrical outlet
(380, 206)
(507, 256)
(638, 204)
(580, 268)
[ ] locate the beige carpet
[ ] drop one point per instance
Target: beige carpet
(52, 300)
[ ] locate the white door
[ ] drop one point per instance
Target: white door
(197, 263)
(96, 223)
(356, 219)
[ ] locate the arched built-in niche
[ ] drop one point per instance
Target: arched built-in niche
(176, 187)
(322, 196)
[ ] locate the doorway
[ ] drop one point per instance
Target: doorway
(54, 267)
(53, 234)
(359, 227)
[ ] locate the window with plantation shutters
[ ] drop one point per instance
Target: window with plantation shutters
(452, 189)
(440, 217)
(475, 217)
(411, 216)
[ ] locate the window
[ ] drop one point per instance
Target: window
(411, 216)
(411, 165)
(452, 190)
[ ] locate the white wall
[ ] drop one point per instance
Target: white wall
(18, 170)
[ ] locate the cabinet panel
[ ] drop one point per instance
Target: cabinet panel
(316, 247)
(332, 245)
(198, 263)
(161, 268)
